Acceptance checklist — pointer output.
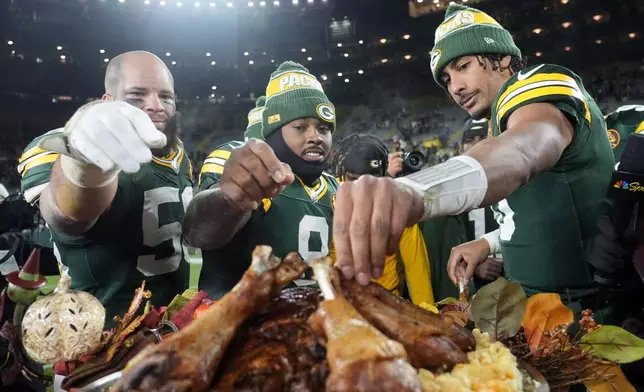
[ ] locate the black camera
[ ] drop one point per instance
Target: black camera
(413, 161)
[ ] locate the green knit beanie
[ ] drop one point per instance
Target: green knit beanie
(254, 128)
(293, 93)
(467, 31)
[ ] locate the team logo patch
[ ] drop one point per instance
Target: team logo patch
(614, 138)
(434, 56)
(274, 118)
(333, 201)
(375, 164)
(325, 112)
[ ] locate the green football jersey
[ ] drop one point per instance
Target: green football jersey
(621, 123)
(138, 238)
(546, 223)
(479, 222)
(300, 219)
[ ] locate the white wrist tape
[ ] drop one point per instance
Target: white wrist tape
(86, 175)
(449, 188)
(494, 239)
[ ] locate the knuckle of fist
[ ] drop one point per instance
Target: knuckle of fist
(380, 226)
(358, 228)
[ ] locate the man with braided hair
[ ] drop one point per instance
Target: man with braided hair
(546, 169)
(360, 154)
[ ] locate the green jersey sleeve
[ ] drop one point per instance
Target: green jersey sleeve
(621, 123)
(213, 166)
(34, 167)
(543, 83)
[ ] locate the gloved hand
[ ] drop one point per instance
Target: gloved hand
(609, 251)
(102, 138)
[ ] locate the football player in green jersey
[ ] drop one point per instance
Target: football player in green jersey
(113, 186)
(548, 166)
(621, 123)
(272, 190)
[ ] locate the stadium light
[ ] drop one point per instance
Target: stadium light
(101, 51)
(632, 35)
(106, 60)
(167, 54)
(538, 54)
(406, 36)
(179, 4)
(272, 61)
(310, 58)
(346, 80)
(212, 95)
(147, 2)
(339, 44)
(537, 31)
(213, 63)
(251, 62)
(121, 1)
(197, 5)
(384, 61)
(208, 54)
(295, 2)
(383, 40)
(310, 1)
(597, 18)
(276, 3)
(407, 57)
(214, 87)
(324, 77)
(62, 57)
(346, 55)
(59, 47)
(565, 25)
(340, 74)
(360, 71)
(419, 1)
(303, 50)
(162, 2)
(361, 42)
(10, 42)
(246, 53)
(174, 62)
(229, 4)
(564, 1)
(262, 3)
(212, 4)
(251, 4)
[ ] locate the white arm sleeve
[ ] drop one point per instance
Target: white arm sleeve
(449, 188)
(494, 239)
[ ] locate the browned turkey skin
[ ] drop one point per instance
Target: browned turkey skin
(187, 360)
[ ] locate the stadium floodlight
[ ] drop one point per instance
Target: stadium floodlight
(339, 44)
(59, 47)
(346, 80)
(168, 54)
(251, 4)
(324, 77)
(212, 4)
(276, 3)
(162, 2)
(147, 2)
(262, 3)
(361, 42)
(101, 51)
(214, 87)
(346, 55)
(310, 1)
(213, 63)
(246, 53)
(251, 62)
(106, 60)
(10, 42)
(339, 74)
(303, 50)
(174, 62)
(360, 72)
(310, 58)
(208, 54)
(121, 1)
(179, 4)
(229, 4)
(63, 57)
(295, 2)
(197, 5)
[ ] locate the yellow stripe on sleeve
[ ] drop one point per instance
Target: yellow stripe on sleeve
(212, 168)
(48, 158)
(536, 78)
(640, 128)
(33, 151)
(540, 92)
(223, 154)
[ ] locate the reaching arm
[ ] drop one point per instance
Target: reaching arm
(536, 136)
(70, 209)
(209, 234)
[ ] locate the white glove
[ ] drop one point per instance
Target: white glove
(104, 137)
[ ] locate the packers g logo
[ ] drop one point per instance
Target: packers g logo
(614, 138)
(333, 202)
(325, 112)
(434, 56)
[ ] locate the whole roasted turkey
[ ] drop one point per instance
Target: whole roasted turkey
(262, 337)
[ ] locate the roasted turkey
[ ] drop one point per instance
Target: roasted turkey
(261, 337)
